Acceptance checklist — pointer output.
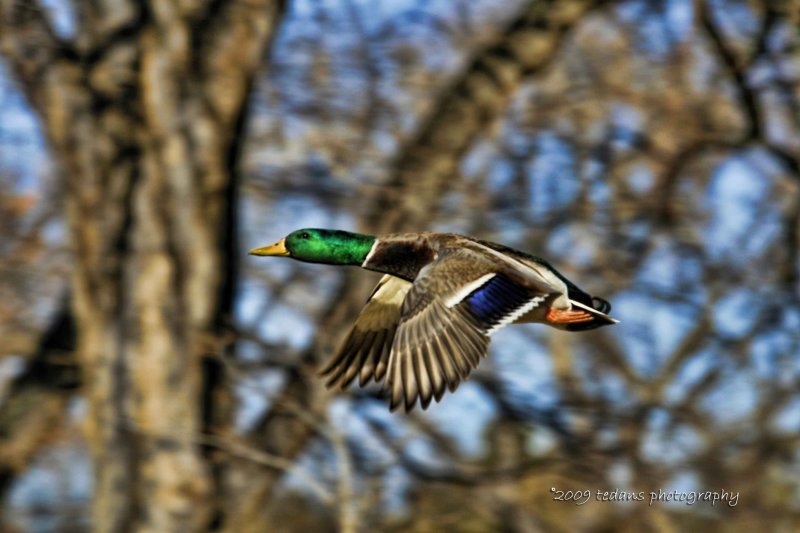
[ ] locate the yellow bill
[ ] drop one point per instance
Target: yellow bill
(279, 248)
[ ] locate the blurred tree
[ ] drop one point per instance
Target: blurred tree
(649, 149)
(144, 109)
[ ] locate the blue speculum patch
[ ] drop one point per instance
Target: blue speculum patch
(496, 299)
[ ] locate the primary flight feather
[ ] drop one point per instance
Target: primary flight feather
(426, 325)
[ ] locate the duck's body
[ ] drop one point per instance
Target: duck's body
(427, 323)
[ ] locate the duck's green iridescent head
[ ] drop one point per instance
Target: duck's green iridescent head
(332, 247)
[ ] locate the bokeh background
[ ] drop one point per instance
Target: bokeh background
(155, 378)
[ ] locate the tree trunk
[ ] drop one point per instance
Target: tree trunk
(144, 113)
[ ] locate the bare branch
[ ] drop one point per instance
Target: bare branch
(28, 41)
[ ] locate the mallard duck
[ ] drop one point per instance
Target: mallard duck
(427, 324)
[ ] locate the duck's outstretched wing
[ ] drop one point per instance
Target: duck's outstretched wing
(453, 306)
(365, 351)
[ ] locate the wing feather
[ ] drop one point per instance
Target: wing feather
(446, 319)
(434, 373)
(442, 349)
(365, 351)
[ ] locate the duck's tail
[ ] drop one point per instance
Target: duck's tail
(599, 311)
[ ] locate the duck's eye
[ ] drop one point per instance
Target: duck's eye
(305, 235)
